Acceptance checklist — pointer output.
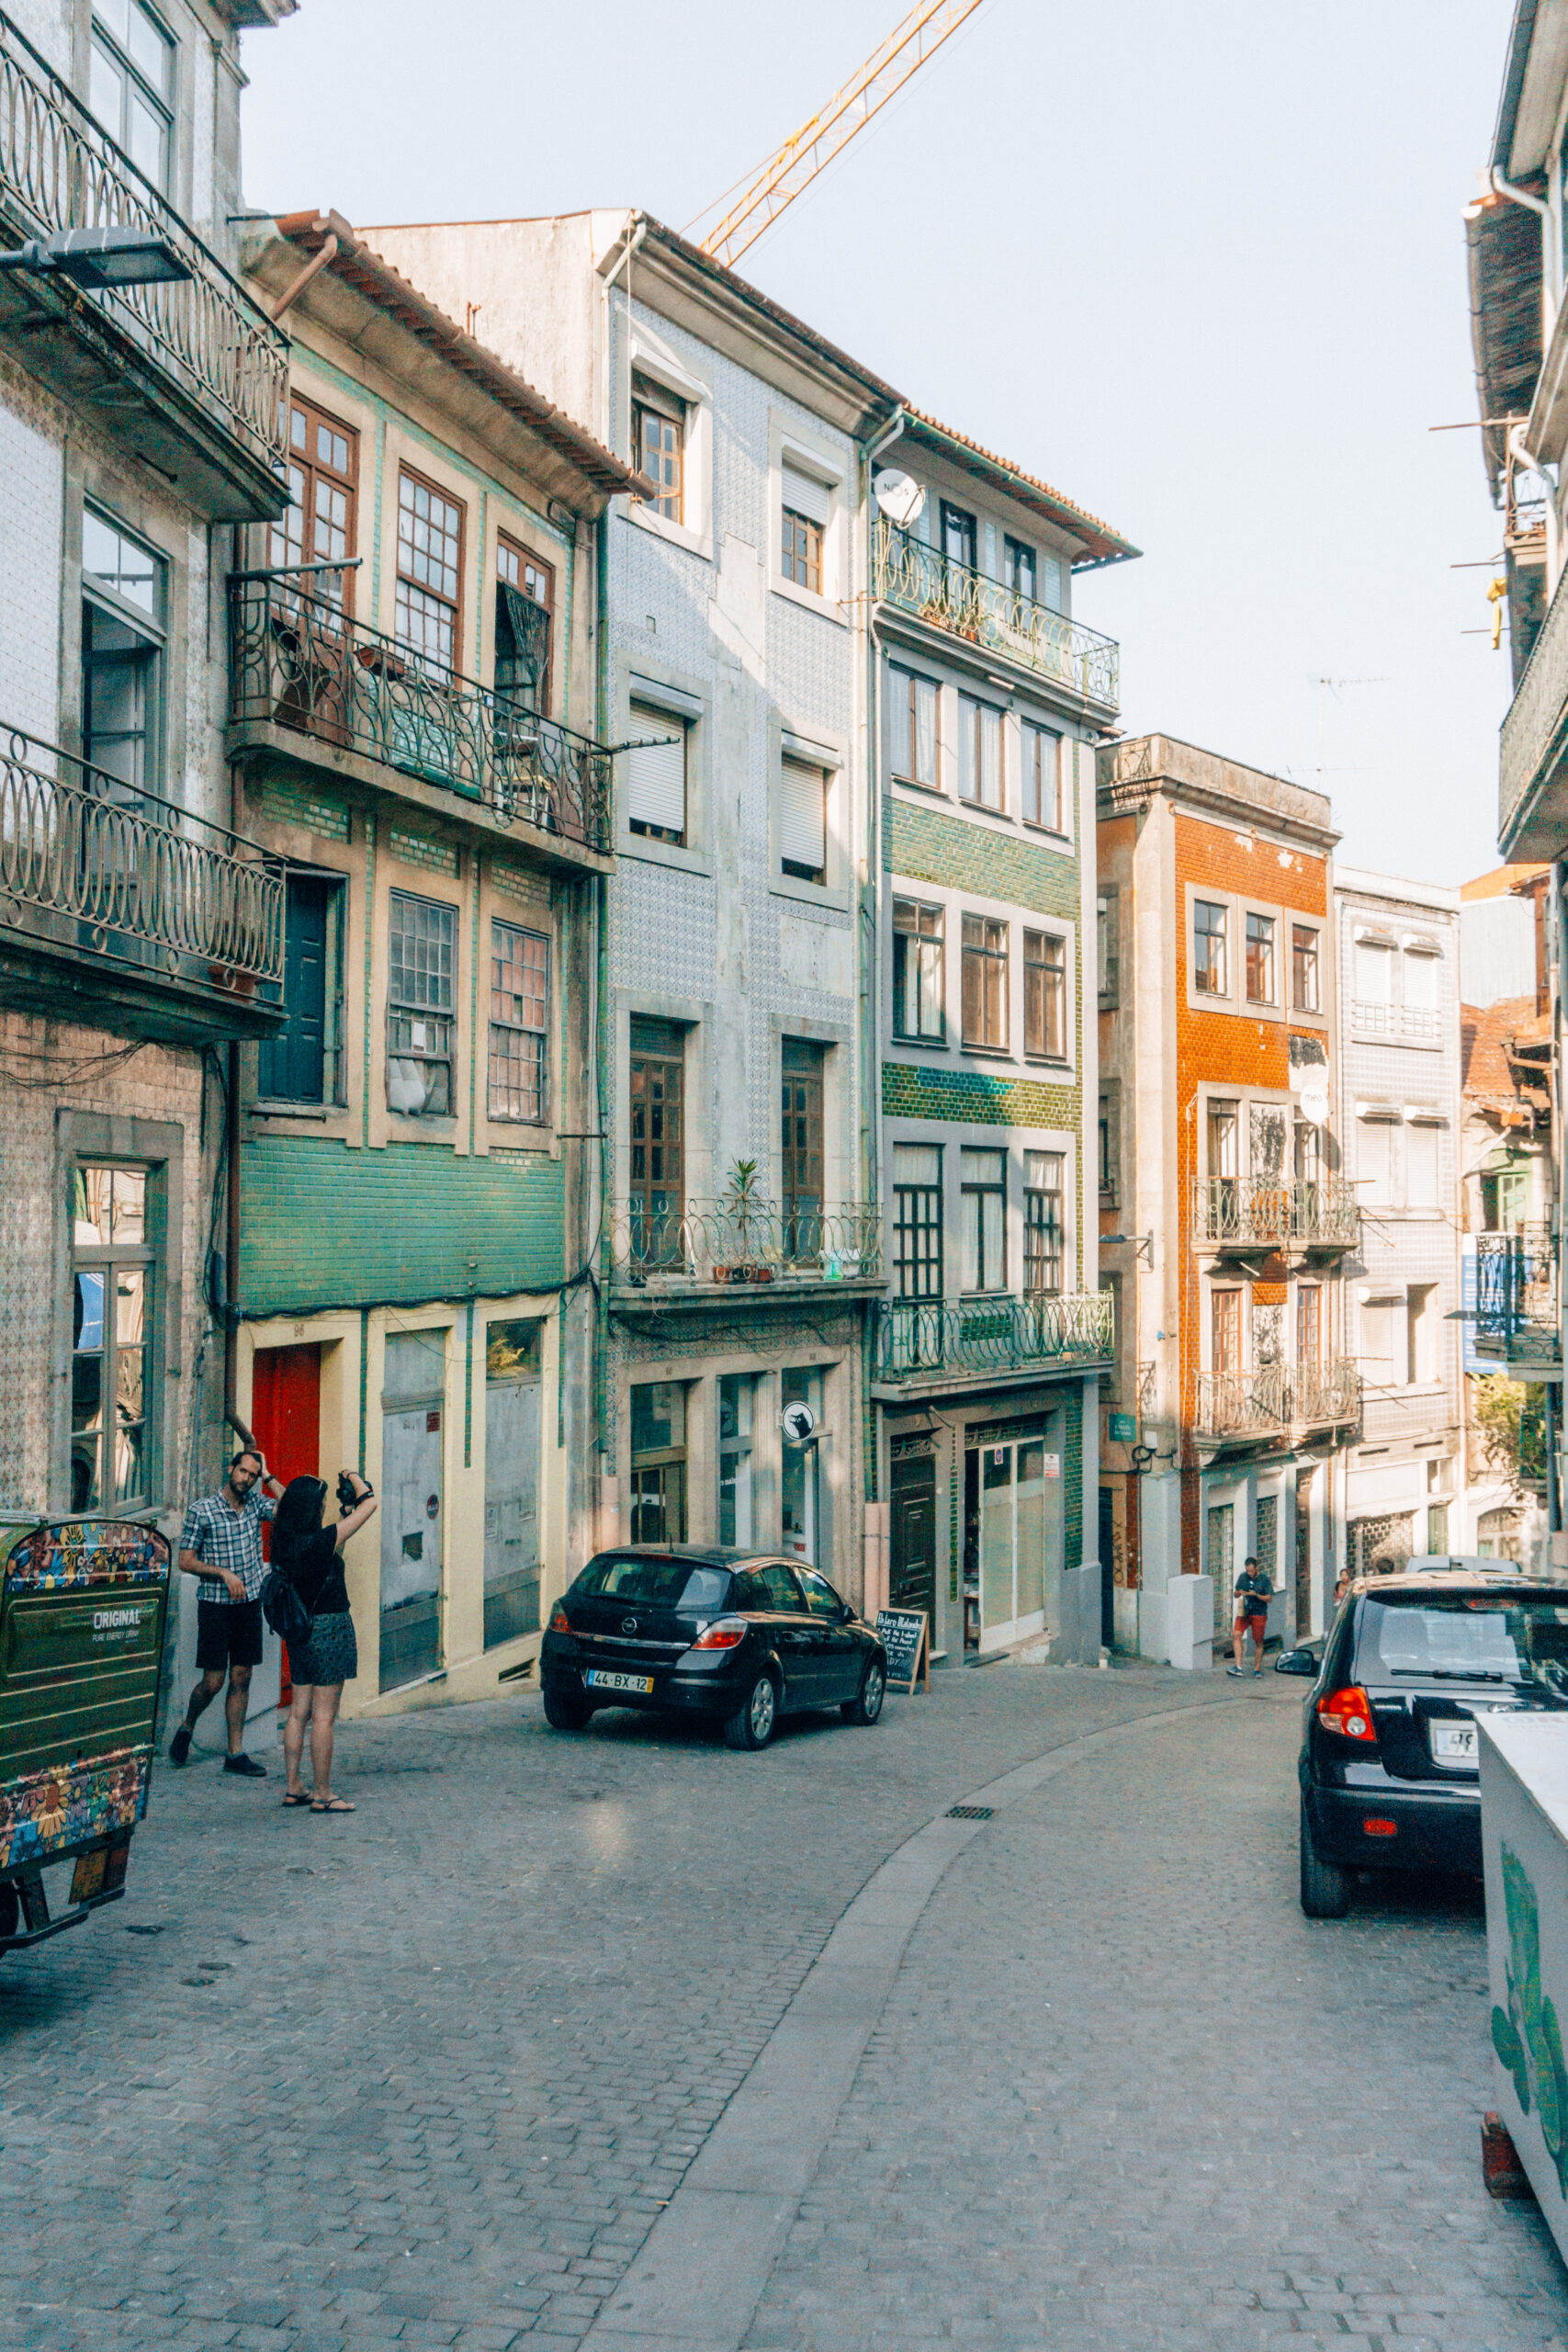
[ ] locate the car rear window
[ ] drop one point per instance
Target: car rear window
(1472, 1638)
(658, 1584)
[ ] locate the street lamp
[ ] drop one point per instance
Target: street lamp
(101, 258)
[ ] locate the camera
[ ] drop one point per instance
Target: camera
(346, 1497)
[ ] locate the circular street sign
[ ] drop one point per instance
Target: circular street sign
(798, 1423)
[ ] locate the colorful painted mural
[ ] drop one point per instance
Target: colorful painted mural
(64, 1805)
(74, 1553)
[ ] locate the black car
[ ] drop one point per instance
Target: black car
(740, 1637)
(1389, 1769)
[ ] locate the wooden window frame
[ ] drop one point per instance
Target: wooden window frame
(1261, 956)
(1306, 954)
(961, 516)
(1201, 985)
(407, 473)
(917, 1221)
(1012, 550)
(801, 550)
(1045, 997)
(652, 399)
(502, 1028)
(1044, 1234)
(109, 1259)
(329, 587)
(921, 940)
(987, 958)
(912, 682)
(527, 562)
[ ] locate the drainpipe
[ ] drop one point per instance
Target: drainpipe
(232, 1258)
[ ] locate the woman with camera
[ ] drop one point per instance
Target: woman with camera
(310, 1557)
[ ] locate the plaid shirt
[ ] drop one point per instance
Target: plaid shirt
(227, 1538)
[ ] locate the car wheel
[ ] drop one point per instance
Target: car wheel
(751, 1724)
(1326, 1892)
(563, 1712)
(866, 1705)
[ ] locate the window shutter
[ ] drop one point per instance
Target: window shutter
(803, 496)
(803, 814)
(656, 784)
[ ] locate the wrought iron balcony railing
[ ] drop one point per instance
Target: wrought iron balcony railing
(955, 597)
(1242, 1404)
(1533, 732)
(59, 169)
(1275, 1212)
(1517, 1295)
(740, 1241)
(1326, 1393)
(927, 1338)
(1372, 1018)
(107, 875)
(297, 661)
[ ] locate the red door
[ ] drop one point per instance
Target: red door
(286, 1415)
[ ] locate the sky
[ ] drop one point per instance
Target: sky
(1200, 268)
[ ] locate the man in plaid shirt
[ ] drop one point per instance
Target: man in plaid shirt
(221, 1543)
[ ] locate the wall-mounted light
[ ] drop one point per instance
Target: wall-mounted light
(101, 259)
(1139, 1241)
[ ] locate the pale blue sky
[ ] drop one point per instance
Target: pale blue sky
(1201, 267)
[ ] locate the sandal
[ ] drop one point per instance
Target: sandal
(332, 1804)
(304, 1797)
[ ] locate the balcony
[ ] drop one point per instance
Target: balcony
(1326, 1395)
(1411, 1024)
(119, 907)
(190, 376)
(1244, 1216)
(1234, 1406)
(1516, 1316)
(734, 1253)
(989, 1338)
(1532, 808)
(307, 682)
(948, 596)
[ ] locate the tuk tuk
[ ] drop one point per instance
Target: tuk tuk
(82, 1608)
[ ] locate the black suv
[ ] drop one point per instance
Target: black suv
(740, 1637)
(1389, 1770)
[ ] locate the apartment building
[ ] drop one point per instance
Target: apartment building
(141, 419)
(1226, 1214)
(412, 709)
(1399, 1069)
(991, 1345)
(742, 1230)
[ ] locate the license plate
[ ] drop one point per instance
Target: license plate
(87, 1878)
(1452, 1743)
(598, 1680)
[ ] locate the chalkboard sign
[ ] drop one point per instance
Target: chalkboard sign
(905, 1635)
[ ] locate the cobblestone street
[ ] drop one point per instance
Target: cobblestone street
(429, 2074)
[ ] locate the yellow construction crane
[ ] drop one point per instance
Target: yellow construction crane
(796, 164)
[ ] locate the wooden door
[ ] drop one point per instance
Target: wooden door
(285, 1420)
(912, 1562)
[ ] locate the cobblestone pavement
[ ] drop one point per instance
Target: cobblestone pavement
(426, 2074)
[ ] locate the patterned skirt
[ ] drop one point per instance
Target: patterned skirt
(329, 1652)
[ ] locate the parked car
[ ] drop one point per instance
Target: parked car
(1389, 1769)
(738, 1637)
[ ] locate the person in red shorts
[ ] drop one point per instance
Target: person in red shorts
(1254, 1591)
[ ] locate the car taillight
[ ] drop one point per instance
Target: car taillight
(559, 1622)
(723, 1634)
(1350, 1712)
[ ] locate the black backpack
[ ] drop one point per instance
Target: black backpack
(282, 1607)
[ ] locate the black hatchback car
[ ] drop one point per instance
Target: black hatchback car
(1389, 1769)
(740, 1637)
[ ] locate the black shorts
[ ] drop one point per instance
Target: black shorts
(228, 1633)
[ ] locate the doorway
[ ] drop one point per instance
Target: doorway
(1303, 1554)
(1107, 1568)
(1222, 1564)
(911, 1578)
(1014, 1539)
(511, 1481)
(286, 1421)
(413, 1399)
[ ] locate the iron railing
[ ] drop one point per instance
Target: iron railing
(109, 873)
(296, 661)
(1372, 1018)
(1321, 1394)
(955, 597)
(1145, 1399)
(735, 1240)
(1242, 1404)
(1537, 722)
(1275, 1212)
(1516, 1294)
(59, 169)
(927, 1338)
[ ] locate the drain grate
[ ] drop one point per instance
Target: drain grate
(970, 1812)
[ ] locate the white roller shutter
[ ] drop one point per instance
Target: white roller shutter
(803, 814)
(803, 495)
(656, 779)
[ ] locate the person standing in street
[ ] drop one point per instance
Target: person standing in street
(310, 1557)
(1254, 1591)
(220, 1542)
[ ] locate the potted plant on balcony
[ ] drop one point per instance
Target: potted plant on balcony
(742, 1210)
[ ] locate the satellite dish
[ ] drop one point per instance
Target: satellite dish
(1315, 1104)
(899, 497)
(798, 1423)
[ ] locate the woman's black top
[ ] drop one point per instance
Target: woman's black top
(316, 1573)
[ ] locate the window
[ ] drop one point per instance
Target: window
(519, 1024)
(421, 999)
(113, 1284)
(912, 711)
(1108, 948)
(1504, 1199)
(1305, 988)
(122, 655)
(1421, 1150)
(319, 523)
(800, 1166)
(1373, 1005)
(1309, 1324)
(1385, 1336)
(656, 775)
(1224, 1331)
(799, 1494)
(983, 1176)
(1210, 947)
(979, 754)
(131, 70)
(524, 599)
(802, 819)
(1019, 568)
(1259, 959)
(821, 1600)
(985, 981)
(737, 1395)
(656, 1201)
(1040, 753)
(1421, 967)
(658, 1462)
(658, 444)
(958, 535)
(1046, 995)
(305, 1064)
(1109, 1145)
(917, 1219)
(1225, 1138)
(1375, 1152)
(1421, 1332)
(918, 970)
(1306, 1149)
(430, 573)
(1436, 1527)
(806, 505)
(1045, 1223)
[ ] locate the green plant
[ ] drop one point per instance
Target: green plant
(1510, 1416)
